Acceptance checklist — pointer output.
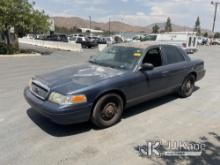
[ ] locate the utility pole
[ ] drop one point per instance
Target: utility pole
(109, 27)
(90, 22)
(215, 13)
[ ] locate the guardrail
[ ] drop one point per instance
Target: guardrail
(52, 44)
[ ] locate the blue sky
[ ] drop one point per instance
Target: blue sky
(135, 12)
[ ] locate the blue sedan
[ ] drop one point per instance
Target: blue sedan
(117, 78)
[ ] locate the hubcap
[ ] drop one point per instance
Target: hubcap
(109, 111)
(188, 86)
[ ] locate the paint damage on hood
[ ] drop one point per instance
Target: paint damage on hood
(76, 77)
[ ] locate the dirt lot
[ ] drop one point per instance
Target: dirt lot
(27, 138)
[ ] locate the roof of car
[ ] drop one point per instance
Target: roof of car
(142, 45)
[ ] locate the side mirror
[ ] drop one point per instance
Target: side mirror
(146, 66)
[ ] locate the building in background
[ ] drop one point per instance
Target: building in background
(52, 26)
(88, 30)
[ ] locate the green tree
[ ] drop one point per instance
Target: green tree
(197, 27)
(205, 34)
(155, 29)
(39, 22)
(168, 26)
(22, 17)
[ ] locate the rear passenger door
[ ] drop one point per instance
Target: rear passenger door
(176, 65)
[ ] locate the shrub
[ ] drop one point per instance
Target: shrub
(8, 49)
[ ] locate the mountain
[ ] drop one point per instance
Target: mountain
(69, 22)
(116, 26)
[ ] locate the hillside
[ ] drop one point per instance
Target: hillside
(116, 26)
(69, 22)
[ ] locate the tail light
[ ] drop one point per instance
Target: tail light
(184, 45)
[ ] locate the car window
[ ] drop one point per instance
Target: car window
(153, 57)
(172, 55)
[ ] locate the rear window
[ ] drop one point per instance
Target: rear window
(172, 55)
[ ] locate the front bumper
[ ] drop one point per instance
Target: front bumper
(58, 114)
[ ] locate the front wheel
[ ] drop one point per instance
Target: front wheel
(187, 87)
(107, 111)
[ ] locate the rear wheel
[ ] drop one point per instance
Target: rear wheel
(187, 87)
(107, 111)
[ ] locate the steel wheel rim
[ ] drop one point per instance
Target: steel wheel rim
(109, 111)
(188, 87)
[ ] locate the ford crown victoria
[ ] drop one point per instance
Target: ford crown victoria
(117, 78)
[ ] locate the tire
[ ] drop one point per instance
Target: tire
(107, 111)
(187, 86)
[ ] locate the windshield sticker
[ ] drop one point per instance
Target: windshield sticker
(137, 54)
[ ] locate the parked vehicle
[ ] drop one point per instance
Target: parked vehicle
(216, 41)
(30, 36)
(88, 43)
(101, 41)
(109, 40)
(76, 39)
(40, 37)
(117, 78)
(202, 40)
(57, 37)
(186, 40)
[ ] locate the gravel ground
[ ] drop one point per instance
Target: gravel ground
(28, 138)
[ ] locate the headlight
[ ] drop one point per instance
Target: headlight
(67, 100)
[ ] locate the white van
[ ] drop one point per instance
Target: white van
(186, 40)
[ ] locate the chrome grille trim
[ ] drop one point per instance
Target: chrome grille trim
(41, 87)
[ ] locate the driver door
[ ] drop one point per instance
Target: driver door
(156, 79)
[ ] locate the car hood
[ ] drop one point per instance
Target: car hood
(76, 77)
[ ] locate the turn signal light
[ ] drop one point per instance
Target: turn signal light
(78, 99)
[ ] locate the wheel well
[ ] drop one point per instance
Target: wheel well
(118, 92)
(194, 74)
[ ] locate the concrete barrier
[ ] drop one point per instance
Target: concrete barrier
(101, 47)
(52, 44)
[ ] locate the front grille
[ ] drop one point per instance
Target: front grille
(39, 90)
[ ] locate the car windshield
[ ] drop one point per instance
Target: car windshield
(149, 38)
(119, 57)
